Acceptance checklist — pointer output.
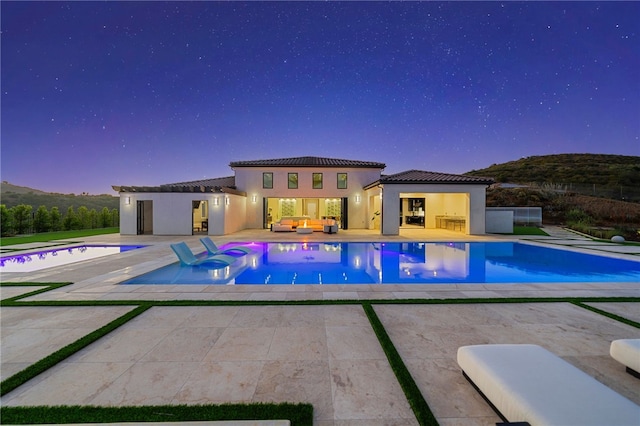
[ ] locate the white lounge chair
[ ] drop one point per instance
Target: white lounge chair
(627, 353)
(527, 383)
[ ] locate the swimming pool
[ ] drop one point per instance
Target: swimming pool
(401, 263)
(35, 261)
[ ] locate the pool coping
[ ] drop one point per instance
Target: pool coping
(100, 279)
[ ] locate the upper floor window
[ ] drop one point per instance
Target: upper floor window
(342, 181)
(317, 181)
(267, 180)
(293, 181)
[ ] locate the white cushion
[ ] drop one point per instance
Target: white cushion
(527, 383)
(626, 352)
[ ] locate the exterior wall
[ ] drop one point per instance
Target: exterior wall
(128, 214)
(235, 214)
(173, 212)
(446, 199)
(374, 197)
(390, 209)
(499, 222)
(249, 180)
(477, 210)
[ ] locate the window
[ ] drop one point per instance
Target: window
(293, 181)
(317, 181)
(342, 181)
(267, 180)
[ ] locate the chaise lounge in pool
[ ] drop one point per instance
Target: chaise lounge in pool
(187, 258)
(212, 248)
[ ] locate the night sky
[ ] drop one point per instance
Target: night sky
(96, 94)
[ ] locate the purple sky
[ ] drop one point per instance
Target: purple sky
(96, 94)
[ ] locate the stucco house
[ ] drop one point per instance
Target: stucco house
(262, 192)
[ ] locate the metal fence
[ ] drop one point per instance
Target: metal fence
(615, 192)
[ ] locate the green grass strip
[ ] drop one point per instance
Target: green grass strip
(298, 414)
(417, 402)
(609, 315)
(59, 235)
(528, 230)
(46, 287)
(49, 361)
(15, 301)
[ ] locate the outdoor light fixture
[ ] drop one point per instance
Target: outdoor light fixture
(127, 200)
(357, 198)
(254, 198)
(216, 201)
(226, 200)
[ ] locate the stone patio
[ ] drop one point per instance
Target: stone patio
(327, 355)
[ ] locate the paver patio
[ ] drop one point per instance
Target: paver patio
(327, 355)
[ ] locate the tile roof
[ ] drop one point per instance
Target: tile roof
(308, 162)
(421, 176)
(229, 181)
(223, 184)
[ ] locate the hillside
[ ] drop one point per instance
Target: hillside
(602, 175)
(13, 195)
(594, 190)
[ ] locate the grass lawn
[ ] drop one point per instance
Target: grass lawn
(528, 230)
(60, 235)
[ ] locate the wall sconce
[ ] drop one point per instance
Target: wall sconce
(216, 201)
(127, 200)
(358, 198)
(254, 198)
(226, 200)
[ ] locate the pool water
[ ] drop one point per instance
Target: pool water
(35, 261)
(401, 263)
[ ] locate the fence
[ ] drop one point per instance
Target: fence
(615, 192)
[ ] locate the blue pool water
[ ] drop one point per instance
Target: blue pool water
(401, 263)
(35, 261)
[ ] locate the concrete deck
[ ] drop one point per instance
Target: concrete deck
(326, 355)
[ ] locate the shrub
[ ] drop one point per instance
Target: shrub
(577, 216)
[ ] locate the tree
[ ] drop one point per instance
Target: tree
(71, 220)
(22, 218)
(93, 218)
(42, 220)
(105, 218)
(83, 218)
(6, 226)
(115, 217)
(56, 219)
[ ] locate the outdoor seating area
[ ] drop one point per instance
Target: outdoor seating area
(328, 226)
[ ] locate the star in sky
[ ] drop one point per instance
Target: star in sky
(146, 93)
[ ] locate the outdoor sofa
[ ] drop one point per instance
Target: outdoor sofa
(329, 226)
